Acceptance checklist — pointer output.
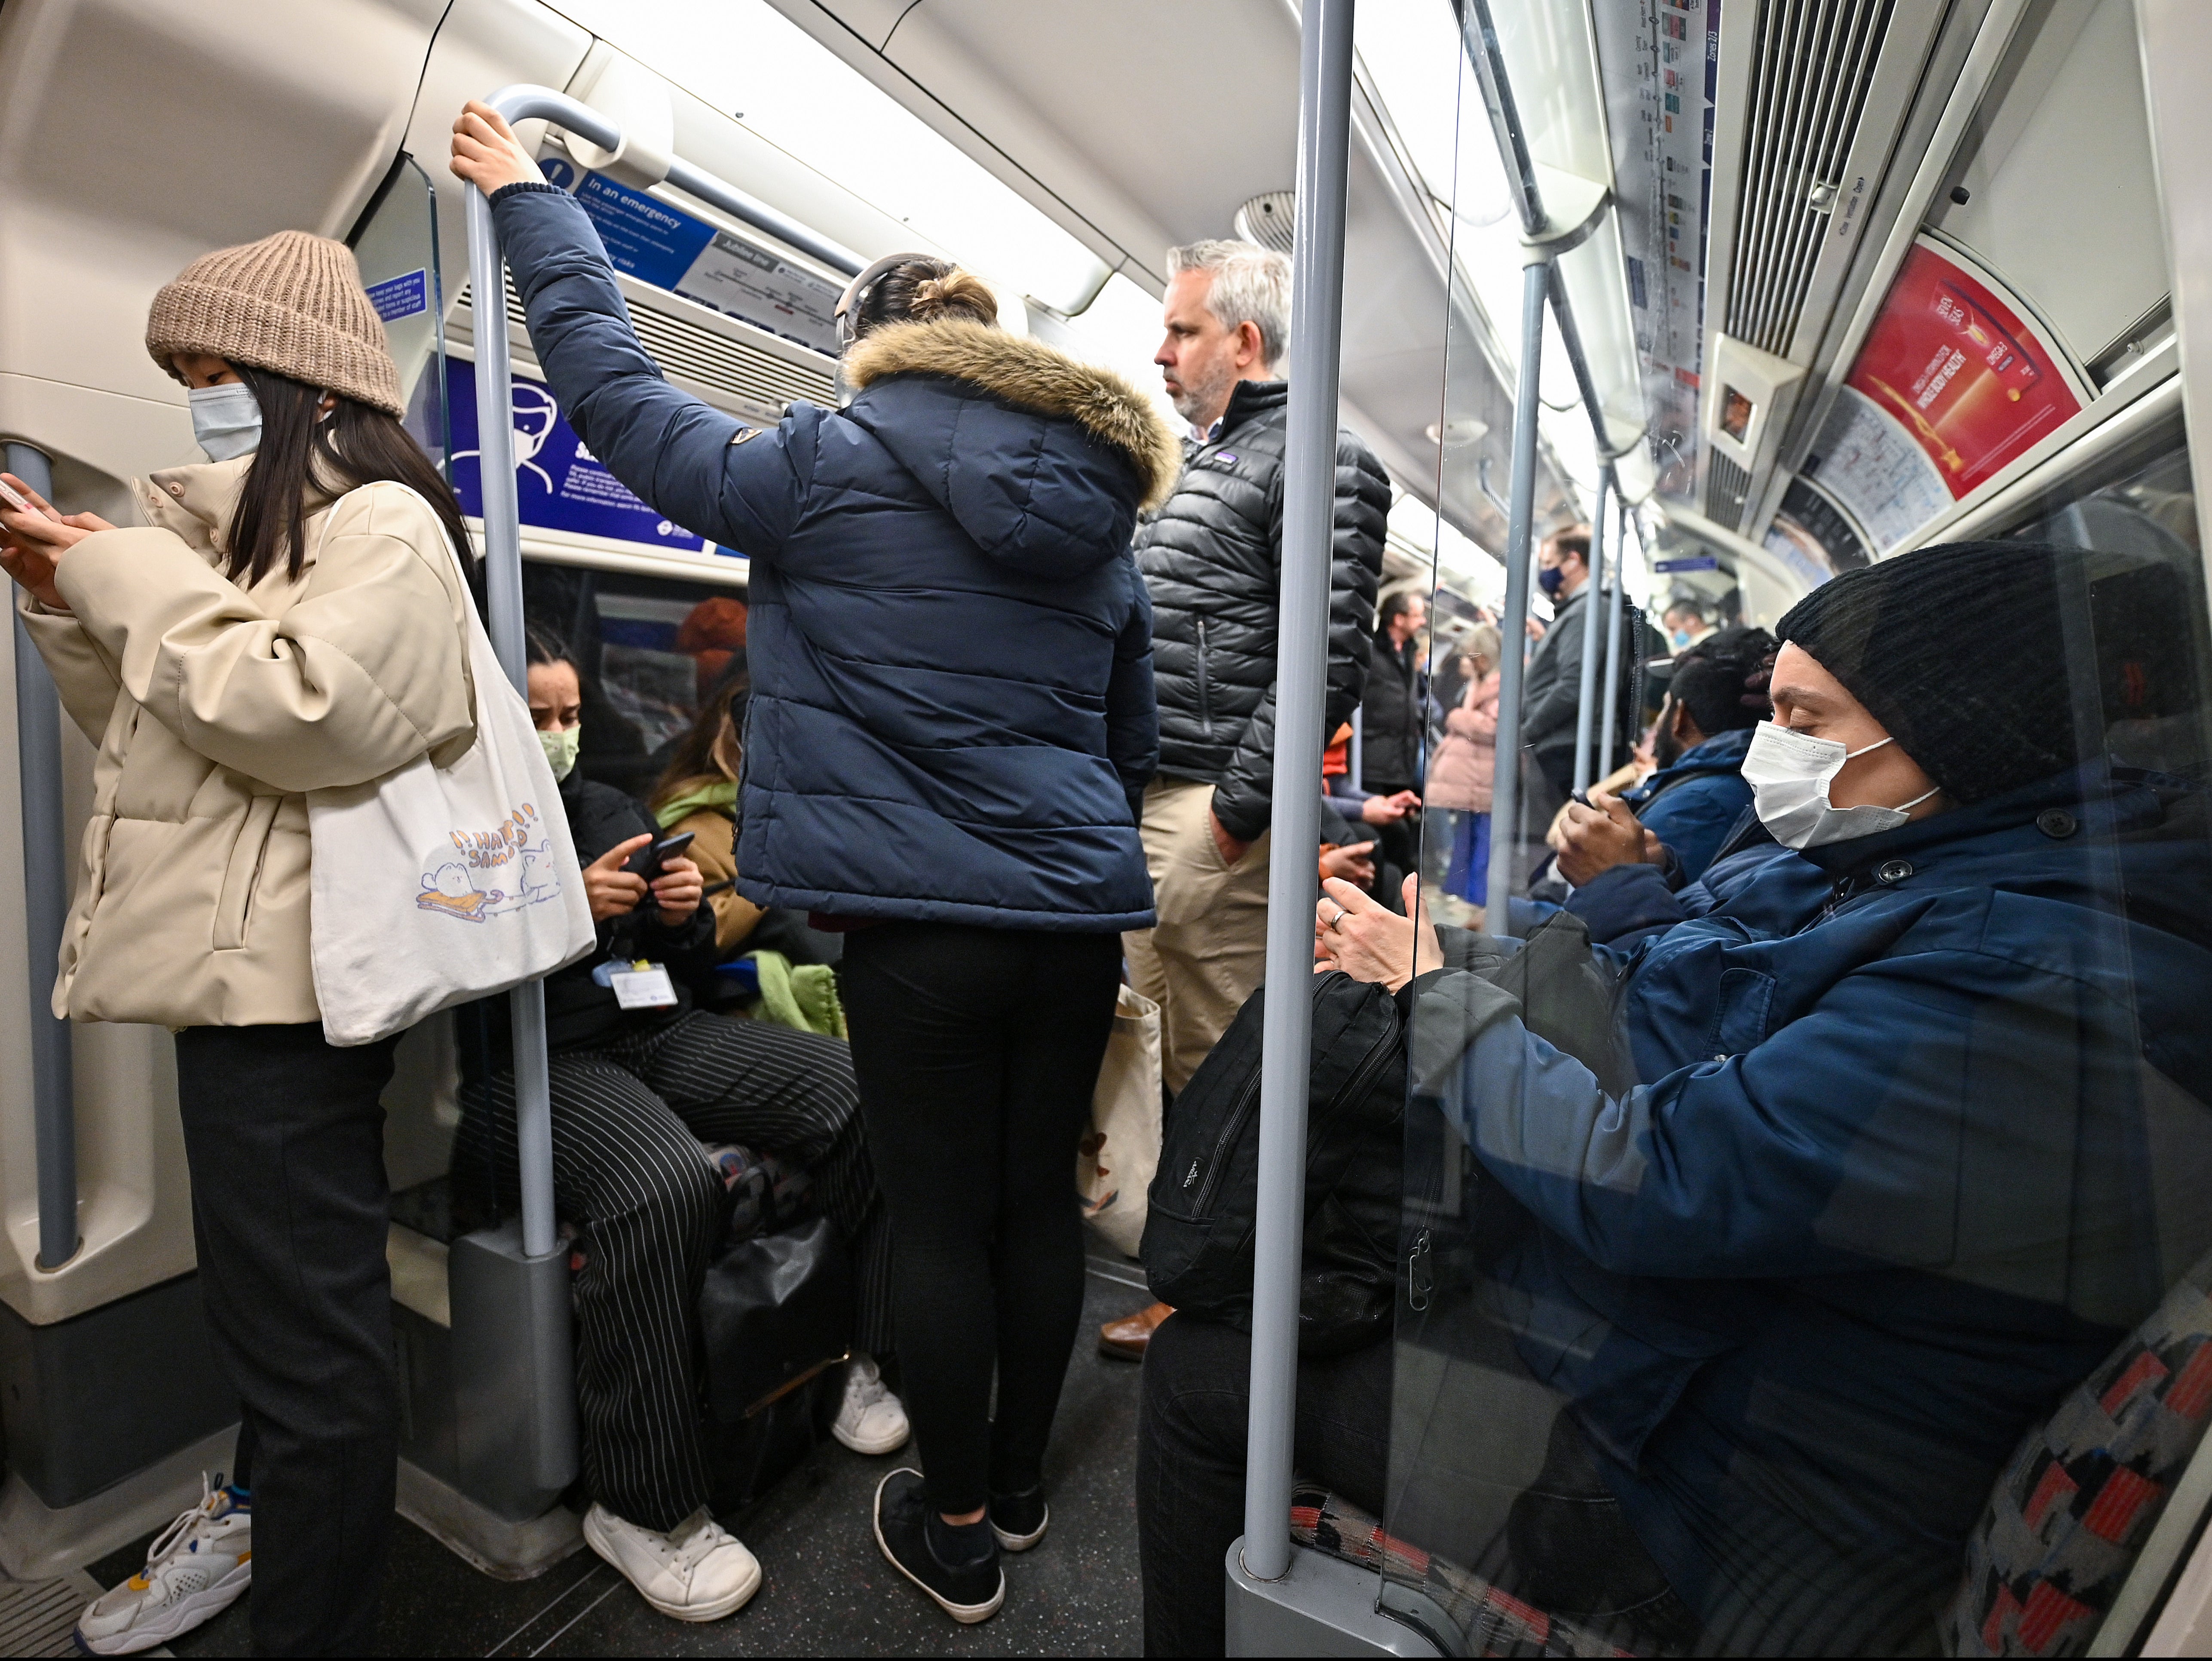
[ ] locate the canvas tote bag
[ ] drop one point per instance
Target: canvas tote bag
(1115, 1160)
(434, 886)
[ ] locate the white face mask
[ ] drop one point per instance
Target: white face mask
(226, 420)
(1790, 774)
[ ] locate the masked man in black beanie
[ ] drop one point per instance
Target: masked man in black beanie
(1914, 1091)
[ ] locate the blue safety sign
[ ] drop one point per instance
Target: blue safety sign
(401, 296)
(670, 249)
(1703, 563)
(559, 484)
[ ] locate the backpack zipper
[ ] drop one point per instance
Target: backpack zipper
(1205, 685)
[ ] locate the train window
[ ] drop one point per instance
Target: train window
(1807, 1252)
(650, 650)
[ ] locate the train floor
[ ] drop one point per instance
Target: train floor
(826, 1589)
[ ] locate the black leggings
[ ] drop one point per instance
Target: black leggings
(976, 1050)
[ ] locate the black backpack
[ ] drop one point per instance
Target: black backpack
(1197, 1247)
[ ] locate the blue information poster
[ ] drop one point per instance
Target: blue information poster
(560, 484)
(654, 243)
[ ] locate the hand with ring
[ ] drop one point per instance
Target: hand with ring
(1368, 941)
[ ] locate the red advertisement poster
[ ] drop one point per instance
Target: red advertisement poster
(1960, 371)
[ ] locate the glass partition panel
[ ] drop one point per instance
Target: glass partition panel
(396, 245)
(1804, 1236)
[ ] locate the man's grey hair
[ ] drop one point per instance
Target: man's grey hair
(1251, 284)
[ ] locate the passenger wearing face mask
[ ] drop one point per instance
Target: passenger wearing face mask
(290, 617)
(1875, 1195)
(1551, 695)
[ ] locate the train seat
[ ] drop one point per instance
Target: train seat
(2063, 1529)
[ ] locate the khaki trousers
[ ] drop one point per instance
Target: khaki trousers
(1208, 952)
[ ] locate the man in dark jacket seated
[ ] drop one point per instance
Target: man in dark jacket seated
(639, 1079)
(1715, 699)
(1907, 1149)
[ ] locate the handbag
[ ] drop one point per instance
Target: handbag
(1115, 1160)
(435, 885)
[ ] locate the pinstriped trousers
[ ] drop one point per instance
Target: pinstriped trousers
(628, 1171)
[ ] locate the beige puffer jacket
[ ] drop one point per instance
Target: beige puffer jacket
(215, 707)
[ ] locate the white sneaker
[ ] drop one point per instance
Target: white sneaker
(870, 1419)
(695, 1572)
(196, 1568)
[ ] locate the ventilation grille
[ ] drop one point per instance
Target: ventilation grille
(758, 382)
(1814, 64)
(1727, 486)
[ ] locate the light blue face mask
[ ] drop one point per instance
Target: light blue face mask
(226, 420)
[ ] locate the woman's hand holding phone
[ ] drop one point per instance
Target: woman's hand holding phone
(613, 890)
(678, 891)
(34, 538)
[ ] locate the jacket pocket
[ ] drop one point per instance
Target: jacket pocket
(1205, 683)
(1747, 997)
(243, 874)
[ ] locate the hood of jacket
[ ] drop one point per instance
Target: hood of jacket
(1033, 452)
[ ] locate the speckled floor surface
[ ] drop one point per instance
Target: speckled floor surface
(828, 1591)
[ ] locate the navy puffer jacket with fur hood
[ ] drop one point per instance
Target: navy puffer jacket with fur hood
(952, 716)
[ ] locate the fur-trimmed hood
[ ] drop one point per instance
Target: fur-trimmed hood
(1034, 377)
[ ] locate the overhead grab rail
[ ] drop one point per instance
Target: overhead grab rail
(1542, 242)
(553, 1449)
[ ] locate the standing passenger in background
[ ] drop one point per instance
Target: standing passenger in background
(951, 725)
(1213, 560)
(1550, 697)
(1394, 720)
(1462, 776)
(290, 619)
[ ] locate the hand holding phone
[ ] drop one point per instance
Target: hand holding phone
(648, 862)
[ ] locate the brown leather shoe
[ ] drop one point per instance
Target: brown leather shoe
(1125, 1339)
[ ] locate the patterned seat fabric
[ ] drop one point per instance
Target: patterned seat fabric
(1493, 1622)
(2084, 1490)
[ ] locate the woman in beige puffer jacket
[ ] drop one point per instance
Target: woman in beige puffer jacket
(288, 620)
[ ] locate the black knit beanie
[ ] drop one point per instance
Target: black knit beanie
(1960, 652)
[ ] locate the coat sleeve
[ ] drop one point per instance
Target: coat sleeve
(367, 671)
(1244, 798)
(737, 485)
(86, 680)
(1133, 714)
(1808, 1152)
(1554, 702)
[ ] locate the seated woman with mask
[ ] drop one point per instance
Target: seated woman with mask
(1885, 1187)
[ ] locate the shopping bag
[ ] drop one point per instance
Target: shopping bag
(1114, 1162)
(435, 885)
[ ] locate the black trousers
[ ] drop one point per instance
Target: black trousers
(977, 1050)
(629, 1170)
(1191, 1431)
(284, 1135)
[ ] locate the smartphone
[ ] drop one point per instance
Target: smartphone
(648, 861)
(15, 499)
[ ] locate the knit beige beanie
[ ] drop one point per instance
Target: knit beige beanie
(290, 303)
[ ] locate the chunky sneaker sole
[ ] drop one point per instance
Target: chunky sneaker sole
(729, 1603)
(195, 1608)
(1022, 1542)
(966, 1614)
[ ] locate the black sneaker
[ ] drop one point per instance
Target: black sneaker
(1019, 1520)
(969, 1592)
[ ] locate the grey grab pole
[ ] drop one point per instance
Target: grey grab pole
(1513, 627)
(503, 534)
(47, 881)
(1612, 626)
(1586, 704)
(1301, 684)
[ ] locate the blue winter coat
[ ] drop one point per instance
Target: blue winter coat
(1693, 805)
(1922, 1132)
(950, 649)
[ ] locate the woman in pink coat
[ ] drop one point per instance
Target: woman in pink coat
(1465, 763)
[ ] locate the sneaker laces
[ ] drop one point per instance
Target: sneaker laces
(174, 1538)
(692, 1540)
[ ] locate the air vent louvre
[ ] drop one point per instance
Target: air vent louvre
(1269, 219)
(1814, 67)
(1727, 486)
(759, 382)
